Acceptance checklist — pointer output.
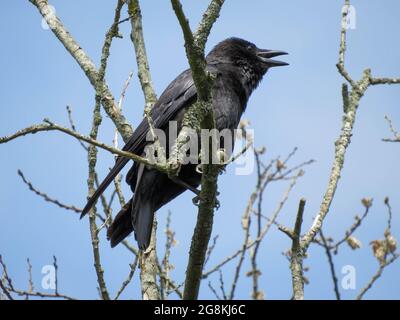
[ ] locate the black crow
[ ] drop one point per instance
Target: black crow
(238, 67)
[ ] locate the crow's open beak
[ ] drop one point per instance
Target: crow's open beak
(266, 55)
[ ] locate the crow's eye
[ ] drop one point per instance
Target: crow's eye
(249, 47)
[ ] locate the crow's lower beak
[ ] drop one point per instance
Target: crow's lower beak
(266, 55)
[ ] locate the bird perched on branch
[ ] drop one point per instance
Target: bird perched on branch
(238, 67)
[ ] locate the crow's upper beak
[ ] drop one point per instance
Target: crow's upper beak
(265, 56)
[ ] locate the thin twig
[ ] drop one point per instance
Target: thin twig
(31, 287)
(5, 290)
(377, 275)
(169, 243)
(120, 103)
(132, 270)
(331, 265)
(45, 196)
(396, 135)
(267, 227)
(73, 127)
(211, 249)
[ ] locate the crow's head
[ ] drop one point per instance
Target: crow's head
(245, 59)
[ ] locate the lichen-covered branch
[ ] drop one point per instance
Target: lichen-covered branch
(92, 151)
(194, 53)
(199, 115)
(376, 81)
(341, 146)
(148, 259)
(92, 160)
(202, 233)
(209, 17)
(50, 126)
(140, 51)
(297, 255)
(149, 268)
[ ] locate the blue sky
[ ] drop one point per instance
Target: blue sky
(299, 105)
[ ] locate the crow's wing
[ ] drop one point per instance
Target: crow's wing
(179, 94)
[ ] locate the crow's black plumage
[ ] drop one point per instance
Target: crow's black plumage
(238, 67)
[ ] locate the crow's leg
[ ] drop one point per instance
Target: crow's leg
(185, 185)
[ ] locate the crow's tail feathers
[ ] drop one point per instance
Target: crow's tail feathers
(137, 215)
(142, 218)
(121, 162)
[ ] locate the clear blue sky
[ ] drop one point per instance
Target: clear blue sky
(299, 105)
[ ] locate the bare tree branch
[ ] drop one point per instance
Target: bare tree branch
(199, 115)
(50, 126)
(375, 81)
(297, 255)
(73, 127)
(141, 55)
(133, 267)
(120, 102)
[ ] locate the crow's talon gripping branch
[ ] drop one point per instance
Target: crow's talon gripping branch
(199, 168)
(217, 204)
(196, 200)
